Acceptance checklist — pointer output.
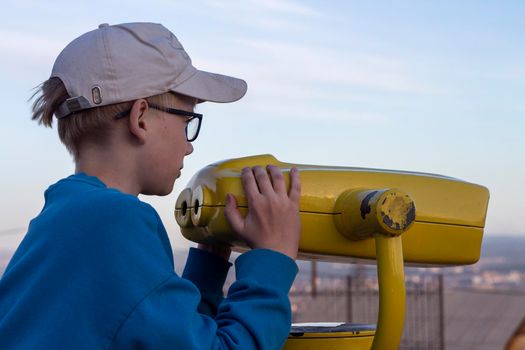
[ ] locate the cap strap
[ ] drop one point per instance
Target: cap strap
(72, 105)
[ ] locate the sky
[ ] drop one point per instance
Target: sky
(429, 86)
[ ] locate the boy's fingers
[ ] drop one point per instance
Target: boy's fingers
(249, 184)
(233, 215)
(295, 186)
(263, 180)
(277, 179)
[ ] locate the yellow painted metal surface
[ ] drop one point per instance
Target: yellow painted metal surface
(391, 278)
(325, 342)
(391, 216)
(367, 212)
(334, 336)
(447, 228)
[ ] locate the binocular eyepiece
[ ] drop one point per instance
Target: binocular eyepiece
(360, 212)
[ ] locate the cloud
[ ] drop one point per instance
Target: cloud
(317, 80)
(262, 7)
(321, 65)
(265, 15)
(285, 6)
(274, 24)
(314, 113)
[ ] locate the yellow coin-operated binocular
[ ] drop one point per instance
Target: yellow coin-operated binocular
(347, 213)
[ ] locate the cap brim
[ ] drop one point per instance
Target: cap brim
(206, 86)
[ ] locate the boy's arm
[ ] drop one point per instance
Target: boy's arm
(207, 268)
(255, 314)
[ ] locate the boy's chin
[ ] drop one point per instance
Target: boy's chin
(167, 190)
(160, 191)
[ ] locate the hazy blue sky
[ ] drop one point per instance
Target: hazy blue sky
(432, 86)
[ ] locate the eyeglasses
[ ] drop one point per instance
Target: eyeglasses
(193, 124)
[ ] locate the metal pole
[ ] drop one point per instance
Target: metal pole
(313, 278)
(349, 298)
(441, 314)
(391, 277)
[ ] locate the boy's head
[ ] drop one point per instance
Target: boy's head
(109, 71)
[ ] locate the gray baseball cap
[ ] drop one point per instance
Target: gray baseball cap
(125, 62)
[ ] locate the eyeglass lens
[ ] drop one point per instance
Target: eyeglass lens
(192, 128)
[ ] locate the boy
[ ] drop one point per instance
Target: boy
(95, 270)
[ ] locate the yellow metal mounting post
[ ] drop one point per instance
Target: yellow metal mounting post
(391, 279)
(384, 214)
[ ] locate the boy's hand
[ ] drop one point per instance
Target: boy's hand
(222, 251)
(273, 214)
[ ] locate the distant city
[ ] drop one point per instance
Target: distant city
(501, 267)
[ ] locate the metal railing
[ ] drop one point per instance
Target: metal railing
(351, 299)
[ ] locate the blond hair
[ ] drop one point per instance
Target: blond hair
(94, 124)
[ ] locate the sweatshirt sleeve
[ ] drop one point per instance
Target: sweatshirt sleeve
(254, 315)
(208, 273)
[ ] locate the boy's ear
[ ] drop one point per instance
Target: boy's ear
(137, 120)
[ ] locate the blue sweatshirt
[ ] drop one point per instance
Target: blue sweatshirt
(95, 271)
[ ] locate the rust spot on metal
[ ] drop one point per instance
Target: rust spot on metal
(386, 219)
(365, 206)
(411, 215)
